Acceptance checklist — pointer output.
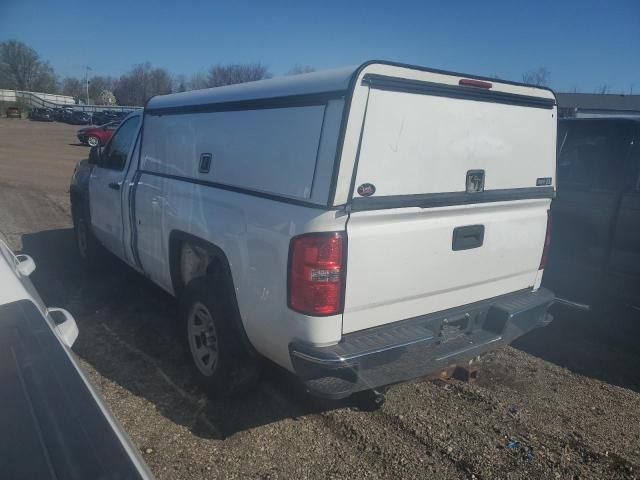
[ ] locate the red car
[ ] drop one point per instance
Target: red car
(94, 136)
(13, 112)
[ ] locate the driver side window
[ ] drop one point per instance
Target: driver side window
(115, 154)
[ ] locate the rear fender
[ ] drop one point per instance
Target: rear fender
(176, 240)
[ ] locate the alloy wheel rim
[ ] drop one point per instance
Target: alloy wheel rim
(203, 339)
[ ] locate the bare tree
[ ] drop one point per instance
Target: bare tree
(73, 87)
(21, 68)
(142, 83)
(159, 82)
(220, 75)
(602, 89)
(299, 69)
(179, 83)
(198, 81)
(46, 80)
(539, 77)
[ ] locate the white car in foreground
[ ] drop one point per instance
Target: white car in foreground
(54, 424)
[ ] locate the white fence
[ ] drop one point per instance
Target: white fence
(48, 100)
(18, 95)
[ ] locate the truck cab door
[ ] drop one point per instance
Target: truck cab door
(106, 186)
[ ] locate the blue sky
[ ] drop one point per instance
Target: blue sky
(583, 43)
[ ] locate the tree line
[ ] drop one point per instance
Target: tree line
(22, 68)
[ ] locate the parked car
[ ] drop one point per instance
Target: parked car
(595, 252)
(97, 135)
(79, 118)
(54, 423)
(55, 113)
(106, 116)
(41, 114)
(353, 253)
(62, 114)
(13, 112)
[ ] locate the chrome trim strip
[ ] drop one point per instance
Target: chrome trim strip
(341, 360)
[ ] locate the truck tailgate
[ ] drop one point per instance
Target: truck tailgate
(461, 189)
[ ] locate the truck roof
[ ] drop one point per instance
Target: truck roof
(336, 81)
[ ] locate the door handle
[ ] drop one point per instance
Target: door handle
(114, 186)
(465, 238)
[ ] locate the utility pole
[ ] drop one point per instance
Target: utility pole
(86, 80)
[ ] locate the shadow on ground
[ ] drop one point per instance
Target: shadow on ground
(602, 344)
(129, 335)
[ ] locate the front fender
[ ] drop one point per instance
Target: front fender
(80, 178)
(79, 189)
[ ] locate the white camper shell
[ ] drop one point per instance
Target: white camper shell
(434, 188)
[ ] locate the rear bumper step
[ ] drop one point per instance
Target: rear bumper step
(416, 347)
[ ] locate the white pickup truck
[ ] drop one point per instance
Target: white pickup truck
(359, 227)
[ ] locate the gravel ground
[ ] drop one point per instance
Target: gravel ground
(564, 403)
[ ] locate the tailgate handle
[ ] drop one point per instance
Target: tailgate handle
(465, 238)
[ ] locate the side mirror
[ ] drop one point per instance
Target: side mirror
(26, 265)
(95, 155)
(65, 325)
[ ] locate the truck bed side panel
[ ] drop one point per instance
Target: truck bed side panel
(254, 233)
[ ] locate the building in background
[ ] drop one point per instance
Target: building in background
(582, 105)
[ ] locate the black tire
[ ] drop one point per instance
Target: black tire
(87, 246)
(212, 347)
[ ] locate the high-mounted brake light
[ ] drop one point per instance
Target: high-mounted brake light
(316, 273)
(468, 82)
(547, 243)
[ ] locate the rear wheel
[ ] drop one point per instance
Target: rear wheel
(202, 336)
(93, 141)
(214, 351)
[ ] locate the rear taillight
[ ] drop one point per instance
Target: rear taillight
(316, 273)
(547, 243)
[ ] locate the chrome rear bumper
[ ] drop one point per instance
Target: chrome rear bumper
(416, 347)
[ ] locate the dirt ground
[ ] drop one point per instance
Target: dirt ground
(564, 402)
